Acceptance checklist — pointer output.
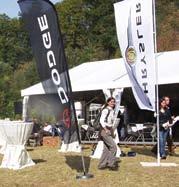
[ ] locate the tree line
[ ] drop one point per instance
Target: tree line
(89, 34)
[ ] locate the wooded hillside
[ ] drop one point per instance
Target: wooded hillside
(89, 34)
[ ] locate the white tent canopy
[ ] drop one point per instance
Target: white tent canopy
(109, 74)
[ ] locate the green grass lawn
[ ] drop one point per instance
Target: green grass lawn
(56, 169)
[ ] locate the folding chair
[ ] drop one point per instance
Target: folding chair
(140, 130)
(132, 133)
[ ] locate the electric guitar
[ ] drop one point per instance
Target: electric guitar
(167, 124)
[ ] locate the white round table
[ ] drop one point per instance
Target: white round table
(15, 134)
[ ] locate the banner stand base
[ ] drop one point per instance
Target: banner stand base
(155, 164)
(85, 176)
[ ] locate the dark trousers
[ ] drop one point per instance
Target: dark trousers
(170, 142)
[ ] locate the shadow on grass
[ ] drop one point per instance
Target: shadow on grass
(83, 148)
(29, 149)
(143, 151)
(39, 160)
(75, 162)
(174, 155)
(147, 152)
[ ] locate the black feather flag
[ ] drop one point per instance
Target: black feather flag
(42, 23)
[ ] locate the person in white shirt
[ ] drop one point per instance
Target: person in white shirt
(47, 130)
(108, 158)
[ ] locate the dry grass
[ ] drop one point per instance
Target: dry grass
(56, 169)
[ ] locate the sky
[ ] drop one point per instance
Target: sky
(11, 7)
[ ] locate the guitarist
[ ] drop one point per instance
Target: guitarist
(165, 119)
(171, 147)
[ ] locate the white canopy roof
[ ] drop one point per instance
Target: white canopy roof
(112, 74)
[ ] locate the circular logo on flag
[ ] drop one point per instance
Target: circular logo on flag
(66, 118)
(130, 55)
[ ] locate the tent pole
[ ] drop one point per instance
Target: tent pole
(156, 86)
(156, 75)
(24, 108)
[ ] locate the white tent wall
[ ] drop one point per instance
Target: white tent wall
(110, 74)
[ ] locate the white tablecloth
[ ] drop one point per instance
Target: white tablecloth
(15, 134)
(3, 145)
